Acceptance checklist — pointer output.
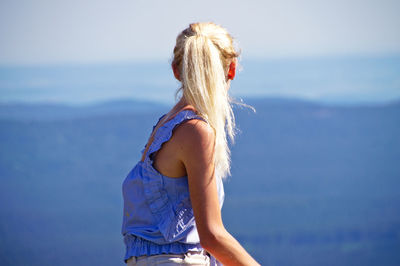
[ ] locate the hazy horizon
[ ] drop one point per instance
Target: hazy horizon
(345, 52)
(332, 80)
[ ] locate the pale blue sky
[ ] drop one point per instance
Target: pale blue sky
(79, 31)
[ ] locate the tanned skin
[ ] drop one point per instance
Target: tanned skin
(190, 152)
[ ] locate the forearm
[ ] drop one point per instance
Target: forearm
(226, 249)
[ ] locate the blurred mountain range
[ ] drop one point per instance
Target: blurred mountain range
(311, 184)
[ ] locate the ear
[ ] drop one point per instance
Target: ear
(232, 70)
(176, 71)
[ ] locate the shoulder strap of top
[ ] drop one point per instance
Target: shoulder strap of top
(164, 132)
(152, 131)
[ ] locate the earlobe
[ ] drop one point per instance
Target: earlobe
(176, 72)
(232, 70)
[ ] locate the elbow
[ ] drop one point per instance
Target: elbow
(208, 242)
(211, 239)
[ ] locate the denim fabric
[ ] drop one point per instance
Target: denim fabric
(189, 258)
(158, 216)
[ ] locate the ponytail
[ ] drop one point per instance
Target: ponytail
(203, 70)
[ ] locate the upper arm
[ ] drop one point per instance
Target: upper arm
(197, 141)
(196, 151)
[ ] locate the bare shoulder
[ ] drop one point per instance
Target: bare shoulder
(195, 135)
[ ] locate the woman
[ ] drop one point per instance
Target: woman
(173, 196)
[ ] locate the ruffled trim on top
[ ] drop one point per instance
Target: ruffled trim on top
(136, 246)
(154, 127)
(174, 220)
(164, 133)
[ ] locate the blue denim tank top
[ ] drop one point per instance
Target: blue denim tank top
(158, 216)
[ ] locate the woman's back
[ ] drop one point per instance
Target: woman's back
(166, 159)
(158, 216)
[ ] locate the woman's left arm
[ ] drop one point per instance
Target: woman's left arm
(196, 151)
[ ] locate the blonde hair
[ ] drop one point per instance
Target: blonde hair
(202, 55)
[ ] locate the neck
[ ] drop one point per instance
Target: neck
(179, 106)
(182, 104)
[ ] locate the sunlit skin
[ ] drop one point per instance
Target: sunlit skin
(190, 151)
(166, 160)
